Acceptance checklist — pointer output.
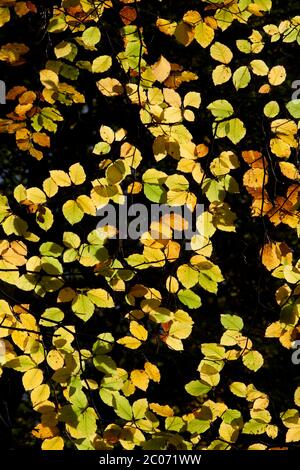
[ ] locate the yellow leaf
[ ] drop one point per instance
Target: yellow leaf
(221, 53)
(192, 99)
(86, 204)
(13, 52)
(60, 177)
(140, 379)
(184, 33)
(274, 254)
(42, 431)
(101, 298)
(110, 86)
(174, 343)
(255, 178)
(54, 443)
(293, 434)
(77, 174)
(172, 251)
(187, 276)
(289, 170)
(297, 396)
(172, 284)
(280, 148)
(63, 49)
(166, 26)
(129, 342)
(154, 257)
(50, 187)
(36, 153)
(49, 79)
(40, 394)
(224, 163)
(182, 328)
(172, 115)
(277, 75)
(259, 67)
(36, 196)
(192, 17)
(134, 188)
(221, 74)
(152, 371)
(72, 212)
(4, 16)
(171, 97)
(32, 378)
(161, 69)
(115, 173)
(161, 410)
(107, 134)
(228, 432)
(41, 139)
(177, 198)
(101, 64)
(204, 34)
(55, 359)
(138, 331)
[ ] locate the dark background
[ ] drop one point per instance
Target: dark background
(248, 289)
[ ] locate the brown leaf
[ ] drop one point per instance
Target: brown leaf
(128, 15)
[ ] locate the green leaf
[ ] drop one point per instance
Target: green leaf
(105, 364)
(123, 408)
(232, 322)
(187, 276)
(155, 193)
(139, 408)
(213, 351)
(213, 190)
(72, 212)
(239, 389)
(52, 313)
(197, 388)
(21, 363)
(241, 77)
(253, 360)
(272, 109)
(101, 64)
(233, 417)
(254, 427)
(100, 298)
(83, 307)
(293, 108)
(71, 240)
(51, 249)
(104, 344)
(44, 218)
(237, 131)
(102, 148)
(221, 109)
(51, 265)
(189, 298)
(91, 36)
(198, 426)
(174, 423)
(87, 425)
